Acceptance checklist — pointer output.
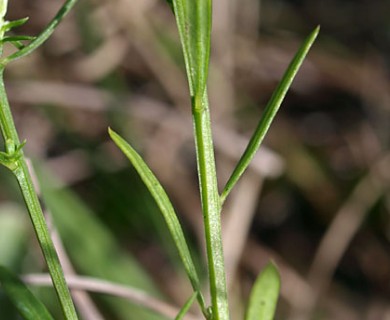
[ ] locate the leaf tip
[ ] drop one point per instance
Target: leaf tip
(272, 268)
(315, 32)
(111, 133)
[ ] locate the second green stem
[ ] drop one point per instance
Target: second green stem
(19, 168)
(210, 206)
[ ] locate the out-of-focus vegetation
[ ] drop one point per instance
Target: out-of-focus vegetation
(315, 200)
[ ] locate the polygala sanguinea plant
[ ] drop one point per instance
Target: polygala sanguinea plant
(194, 22)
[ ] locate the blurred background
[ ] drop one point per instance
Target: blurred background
(315, 200)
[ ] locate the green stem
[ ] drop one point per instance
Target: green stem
(7, 127)
(211, 207)
(20, 170)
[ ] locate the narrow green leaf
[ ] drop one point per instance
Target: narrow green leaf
(194, 23)
(264, 295)
(166, 208)
(186, 306)
(29, 307)
(8, 25)
(269, 113)
(16, 38)
(18, 45)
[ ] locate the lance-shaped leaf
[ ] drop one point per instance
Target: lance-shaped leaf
(264, 295)
(16, 38)
(8, 25)
(269, 113)
(166, 208)
(194, 23)
(29, 307)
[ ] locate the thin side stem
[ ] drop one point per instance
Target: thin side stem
(211, 207)
(20, 170)
(43, 36)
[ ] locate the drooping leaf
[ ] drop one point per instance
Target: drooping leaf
(166, 208)
(264, 295)
(269, 113)
(29, 307)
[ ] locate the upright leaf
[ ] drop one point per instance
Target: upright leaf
(166, 208)
(29, 307)
(194, 23)
(264, 295)
(269, 113)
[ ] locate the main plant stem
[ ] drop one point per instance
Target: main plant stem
(19, 168)
(211, 207)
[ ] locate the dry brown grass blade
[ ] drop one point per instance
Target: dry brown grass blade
(106, 287)
(342, 230)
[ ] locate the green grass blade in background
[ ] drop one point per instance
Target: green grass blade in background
(29, 307)
(93, 249)
(264, 295)
(269, 113)
(14, 230)
(166, 208)
(193, 20)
